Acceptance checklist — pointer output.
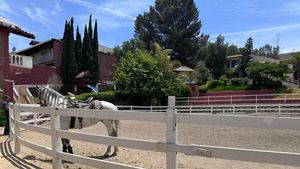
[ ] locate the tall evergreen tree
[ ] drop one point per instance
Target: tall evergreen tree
(247, 51)
(95, 51)
(90, 29)
(173, 24)
(216, 57)
(87, 52)
(68, 64)
(78, 51)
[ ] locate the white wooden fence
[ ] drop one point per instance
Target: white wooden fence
(170, 117)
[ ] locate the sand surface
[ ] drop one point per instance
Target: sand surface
(276, 140)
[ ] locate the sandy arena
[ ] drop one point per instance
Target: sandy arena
(276, 140)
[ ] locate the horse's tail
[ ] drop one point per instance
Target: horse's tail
(117, 126)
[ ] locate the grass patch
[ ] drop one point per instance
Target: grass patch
(229, 88)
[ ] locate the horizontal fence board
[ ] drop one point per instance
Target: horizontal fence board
(36, 147)
(261, 156)
(37, 120)
(114, 115)
(93, 162)
(38, 129)
(106, 140)
(44, 110)
(240, 121)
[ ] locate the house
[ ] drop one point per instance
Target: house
(48, 54)
(13, 64)
(234, 60)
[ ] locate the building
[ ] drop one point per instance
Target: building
(36, 64)
(11, 65)
(234, 60)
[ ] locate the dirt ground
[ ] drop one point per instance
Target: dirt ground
(276, 140)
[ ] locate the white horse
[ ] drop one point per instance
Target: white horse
(52, 98)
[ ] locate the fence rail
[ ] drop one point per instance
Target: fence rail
(240, 99)
(169, 116)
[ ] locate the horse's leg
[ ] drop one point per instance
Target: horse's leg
(110, 132)
(115, 134)
(67, 148)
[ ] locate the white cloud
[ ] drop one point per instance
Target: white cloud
(57, 6)
(38, 15)
(270, 29)
(112, 14)
(5, 8)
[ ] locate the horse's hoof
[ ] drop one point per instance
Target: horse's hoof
(65, 149)
(70, 150)
(105, 155)
(114, 154)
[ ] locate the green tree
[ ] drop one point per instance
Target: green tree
(216, 57)
(232, 50)
(78, 51)
(201, 73)
(68, 64)
(173, 25)
(95, 51)
(295, 60)
(267, 73)
(87, 52)
(131, 45)
(141, 78)
(247, 51)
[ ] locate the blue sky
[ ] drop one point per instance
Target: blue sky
(264, 20)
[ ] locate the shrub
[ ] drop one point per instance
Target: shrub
(244, 81)
(214, 83)
(183, 91)
(223, 79)
(236, 81)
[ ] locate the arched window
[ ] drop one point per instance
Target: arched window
(14, 60)
(17, 60)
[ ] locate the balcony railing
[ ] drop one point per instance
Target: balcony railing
(20, 61)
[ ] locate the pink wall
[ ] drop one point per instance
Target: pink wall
(37, 75)
(239, 92)
(106, 62)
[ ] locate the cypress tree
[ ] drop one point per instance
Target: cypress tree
(64, 56)
(68, 63)
(78, 51)
(90, 29)
(95, 51)
(246, 56)
(72, 66)
(87, 52)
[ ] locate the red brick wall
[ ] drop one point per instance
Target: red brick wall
(57, 50)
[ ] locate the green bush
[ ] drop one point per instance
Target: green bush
(236, 81)
(244, 81)
(214, 83)
(223, 79)
(109, 96)
(183, 91)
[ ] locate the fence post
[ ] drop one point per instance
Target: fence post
(285, 98)
(131, 107)
(191, 108)
(16, 128)
(11, 122)
(188, 101)
(211, 109)
(233, 109)
(151, 109)
(35, 118)
(171, 132)
(56, 141)
(279, 109)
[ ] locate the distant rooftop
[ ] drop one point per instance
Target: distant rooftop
(105, 49)
(13, 28)
(183, 69)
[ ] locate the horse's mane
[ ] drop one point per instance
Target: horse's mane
(51, 96)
